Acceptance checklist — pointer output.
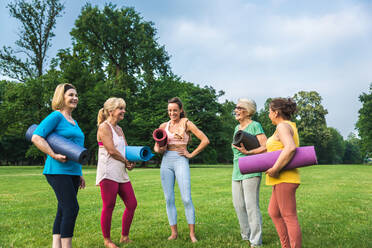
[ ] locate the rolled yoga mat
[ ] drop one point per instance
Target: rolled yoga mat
(249, 141)
(304, 156)
(160, 136)
(138, 153)
(63, 146)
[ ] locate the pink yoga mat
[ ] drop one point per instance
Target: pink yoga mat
(304, 156)
(160, 136)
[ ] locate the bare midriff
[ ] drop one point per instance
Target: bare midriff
(174, 147)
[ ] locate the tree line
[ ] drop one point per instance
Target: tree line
(115, 52)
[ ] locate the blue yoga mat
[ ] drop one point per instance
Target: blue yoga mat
(138, 153)
(63, 146)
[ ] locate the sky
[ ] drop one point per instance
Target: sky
(254, 49)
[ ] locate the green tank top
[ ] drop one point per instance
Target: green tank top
(253, 128)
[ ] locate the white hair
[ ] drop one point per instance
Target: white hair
(248, 105)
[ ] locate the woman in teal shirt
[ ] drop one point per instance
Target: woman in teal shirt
(64, 176)
(246, 188)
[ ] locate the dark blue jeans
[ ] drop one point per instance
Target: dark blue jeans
(65, 187)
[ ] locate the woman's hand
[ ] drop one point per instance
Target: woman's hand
(185, 153)
(162, 149)
(60, 158)
(241, 149)
(273, 172)
(129, 165)
(82, 182)
(43, 146)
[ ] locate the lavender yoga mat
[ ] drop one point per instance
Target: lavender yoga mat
(63, 146)
(304, 156)
(160, 136)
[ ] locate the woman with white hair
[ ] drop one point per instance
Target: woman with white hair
(112, 176)
(246, 188)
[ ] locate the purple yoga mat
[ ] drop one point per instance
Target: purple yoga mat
(304, 156)
(160, 136)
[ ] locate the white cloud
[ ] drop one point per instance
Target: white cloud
(294, 36)
(262, 49)
(258, 51)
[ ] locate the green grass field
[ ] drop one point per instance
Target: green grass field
(334, 207)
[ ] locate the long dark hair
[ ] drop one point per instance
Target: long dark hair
(180, 105)
(286, 107)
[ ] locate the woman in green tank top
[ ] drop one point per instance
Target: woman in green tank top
(246, 188)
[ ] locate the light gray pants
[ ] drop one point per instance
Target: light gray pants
(245, 195)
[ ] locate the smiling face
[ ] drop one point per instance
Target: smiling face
(240, 112)
(118, 113)
(174, 111)
(70, 99)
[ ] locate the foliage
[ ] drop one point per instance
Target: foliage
(24, 104)
(225, 133)
(335, 147)
(364, 123)
(201, 106)
(116, 53)
(262, 117)
(126, 44)
(311, 122)
(38, 20)
(352, 153)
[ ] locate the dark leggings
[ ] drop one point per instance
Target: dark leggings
(65, 187)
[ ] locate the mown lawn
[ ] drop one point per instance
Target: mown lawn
(334, 207)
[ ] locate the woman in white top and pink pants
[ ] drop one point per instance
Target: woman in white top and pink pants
(112, 176)
(175, 164)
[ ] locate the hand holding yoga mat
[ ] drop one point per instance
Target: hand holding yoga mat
(304, 156)
(160, 136)
(63, 146)
(249, 141)
(138, 153)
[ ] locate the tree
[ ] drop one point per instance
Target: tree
(38, 20)
(126, 44)
(335, 147)
(311, 122)
(352, 153)
(24, 104)
(225, 133)
(262, 117)
(126, 62)
(84, 70)
(364, 123)
(202, 108)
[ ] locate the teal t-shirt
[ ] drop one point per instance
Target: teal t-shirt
(56, 123)
(253, 128)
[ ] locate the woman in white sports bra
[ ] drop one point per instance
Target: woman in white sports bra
(175, 164)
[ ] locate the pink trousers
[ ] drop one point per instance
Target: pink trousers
(109, 191)
(282, 210)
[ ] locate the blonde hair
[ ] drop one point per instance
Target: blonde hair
(248, 105)
(58, 101)
(111, 104)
